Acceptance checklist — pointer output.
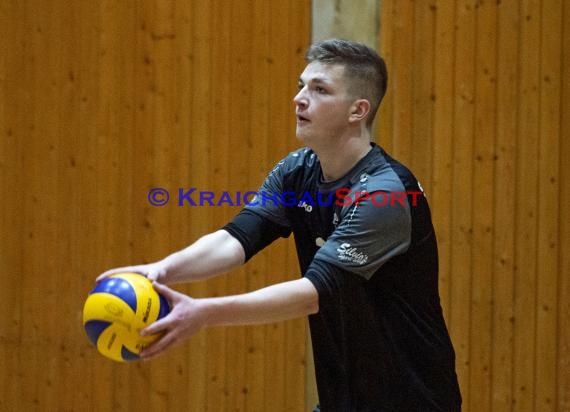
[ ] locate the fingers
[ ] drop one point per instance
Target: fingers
(180, 324)
(170, 334)
(156, 327)
(151, 272)
(170, 320)
(170, 294)
(154, 274)
(159, 346)
(164, 326)
(114, 271)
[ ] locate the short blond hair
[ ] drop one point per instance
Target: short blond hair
(363, 67)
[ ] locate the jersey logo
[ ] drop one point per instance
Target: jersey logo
(346, 253)
(306, 206)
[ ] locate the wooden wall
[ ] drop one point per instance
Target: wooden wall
(100, 102)
(479, 105)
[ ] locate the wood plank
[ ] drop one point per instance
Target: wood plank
(157, 58)
(548, 205)
(74, 72)
(238, 117)
(14, 68)
(401, 75)
(483, 219)
(504, 204)
(385, 117)
(184, 369)
(97, 246)
(129, 222)
(109, 101)
(526, 208)
(563, 340)
(440, 194)
(563, 350)
(40, 180)
(463, 189)
(257, 389)
(422, 81)
(219, 83)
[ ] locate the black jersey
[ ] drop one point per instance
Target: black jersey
(367, 243)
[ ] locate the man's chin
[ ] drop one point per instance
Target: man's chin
(301, 135)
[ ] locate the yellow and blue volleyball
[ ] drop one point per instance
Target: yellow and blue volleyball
(115, 312)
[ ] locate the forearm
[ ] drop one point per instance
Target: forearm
(274, 303)
(211, 255)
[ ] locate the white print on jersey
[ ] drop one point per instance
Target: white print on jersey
(351, 254)
(306, 206)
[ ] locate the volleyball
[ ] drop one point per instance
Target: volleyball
(115, 312)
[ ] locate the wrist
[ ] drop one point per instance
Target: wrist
(210, 311)
(169, 269)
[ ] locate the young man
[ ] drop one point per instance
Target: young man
(366, 246)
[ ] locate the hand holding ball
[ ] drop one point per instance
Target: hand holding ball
(115, 312)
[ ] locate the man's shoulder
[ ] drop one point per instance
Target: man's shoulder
(300, 159)
(378, 173)
(387, 173)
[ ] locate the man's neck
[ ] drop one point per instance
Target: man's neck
(337, 161)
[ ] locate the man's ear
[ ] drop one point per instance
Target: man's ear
(359, 110)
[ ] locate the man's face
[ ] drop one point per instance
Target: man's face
(322, 104)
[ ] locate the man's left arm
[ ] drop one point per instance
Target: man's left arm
(282, 301)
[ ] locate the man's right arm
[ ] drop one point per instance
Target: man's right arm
(219, 252)
(211, 255)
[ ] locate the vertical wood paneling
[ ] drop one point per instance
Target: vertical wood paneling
(548, 203)
(102, 101)
(422, 89)
(239, 68)
(400, 74)
(563, 348)
(443, 126)
(526, 207)
(99, 103)
(504, 205)
(385, 116)
(483, 219)
(12, 128)
(461, 205)
(258, 136)
(563, 342)
(490, 151)
(217, 390)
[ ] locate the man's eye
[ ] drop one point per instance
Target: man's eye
(319, 89)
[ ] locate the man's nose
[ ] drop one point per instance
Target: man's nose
(300, 99)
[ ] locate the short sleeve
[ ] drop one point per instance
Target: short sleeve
(268, 201)
(370, 232)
